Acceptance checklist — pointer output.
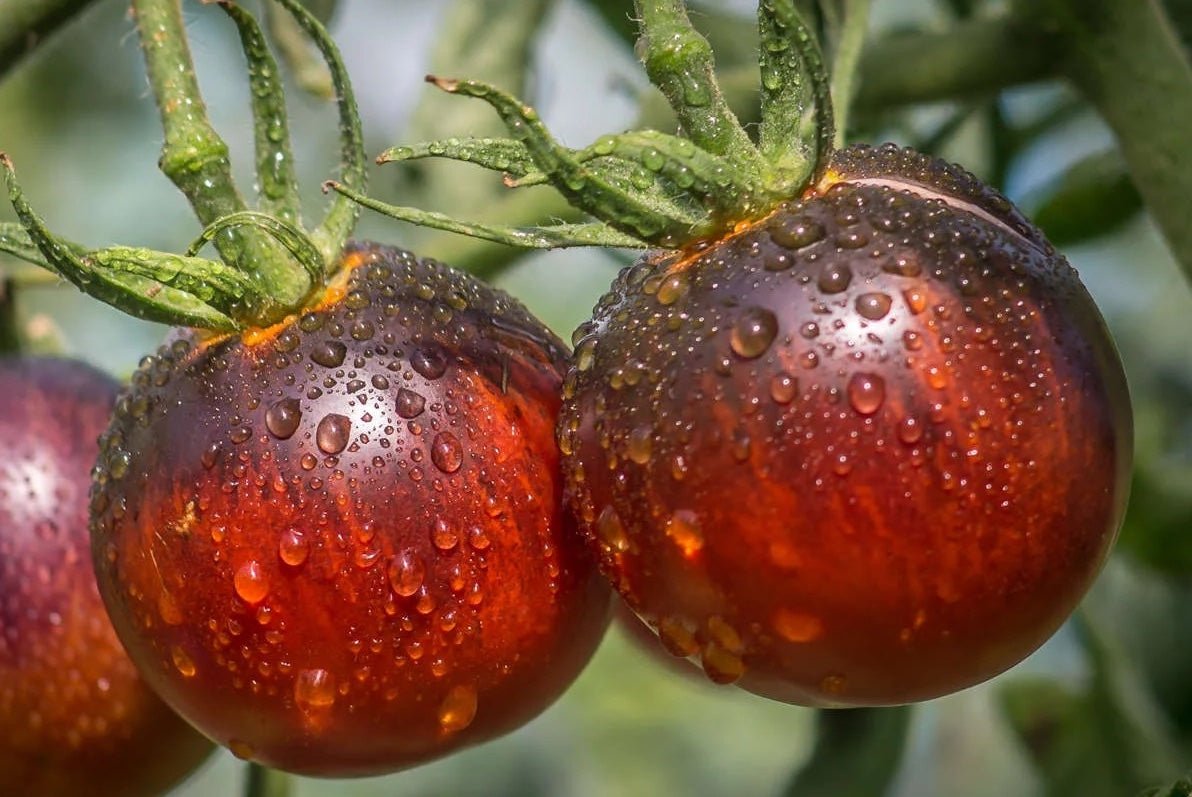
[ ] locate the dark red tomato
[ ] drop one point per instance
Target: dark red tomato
(75, 718)
(870, 450)
(338, 546)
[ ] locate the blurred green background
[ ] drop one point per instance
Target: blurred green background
(1105, 708)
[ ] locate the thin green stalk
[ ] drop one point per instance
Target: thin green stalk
(679, 61)
(194, 156)
(260, 781)
(846, 60)
(10, 336)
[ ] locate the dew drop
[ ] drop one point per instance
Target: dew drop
(684, 528)
(721, 665)
(671, 289)
(834, 278)
(430, 363)
(333, 433)
(314, 689)
(611, 530)
(873, 306)
(915, 299)
(241, 749)
(293, 548)
(406, 573)
(783, 388)
(458, 709)
(282, 418)
(677, 637)
(910, 431)
(409, 403)
(183, 663)
(250, 582)
(446, 452)
(795, 233)
(444, 535)
(329, 354)
(866, 392)
(640, 444)
(753, 333)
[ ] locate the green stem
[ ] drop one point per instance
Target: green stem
(260, 781)
(10, 336)
(679, 61)
(194, 156)
(1126, 57)
(846, 60)
(277, 187)
(857, 753)
(24, 24)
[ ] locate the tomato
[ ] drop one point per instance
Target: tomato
(75, 718)
(337, 546)
(871, 449)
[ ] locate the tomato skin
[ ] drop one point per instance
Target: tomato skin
(338, 546)
(75, 717)
(870, 450)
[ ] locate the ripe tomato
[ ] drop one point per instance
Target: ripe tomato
(338, 546)
(75, 718)
(869, 450)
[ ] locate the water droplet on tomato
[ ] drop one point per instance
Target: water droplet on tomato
(282, 418)
(250, 582)
(333, 433)
(684, 528)
(183, 663)
(293, 547)
(446, 452)
(873, 306)
(406, 573)
(866, 392)
(834, 278)
(753, 333)
(640, 444)
(783, 388)
(430, 363)
(611, 530)
(409, 403)
(329, 354)
(314, 689)
(458, 709)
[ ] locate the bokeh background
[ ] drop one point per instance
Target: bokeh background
(1099, 717)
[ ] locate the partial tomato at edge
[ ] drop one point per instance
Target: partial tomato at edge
(872, 449)
(338, 545)
(75, 717)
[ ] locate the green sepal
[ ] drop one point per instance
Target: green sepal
(679, 61)
(651, 217)
(499, 154)
(277, 184)
(546, 237)
(154, 286)
(295, 241)
(332, 232)
(709, 179)
(797, 124)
